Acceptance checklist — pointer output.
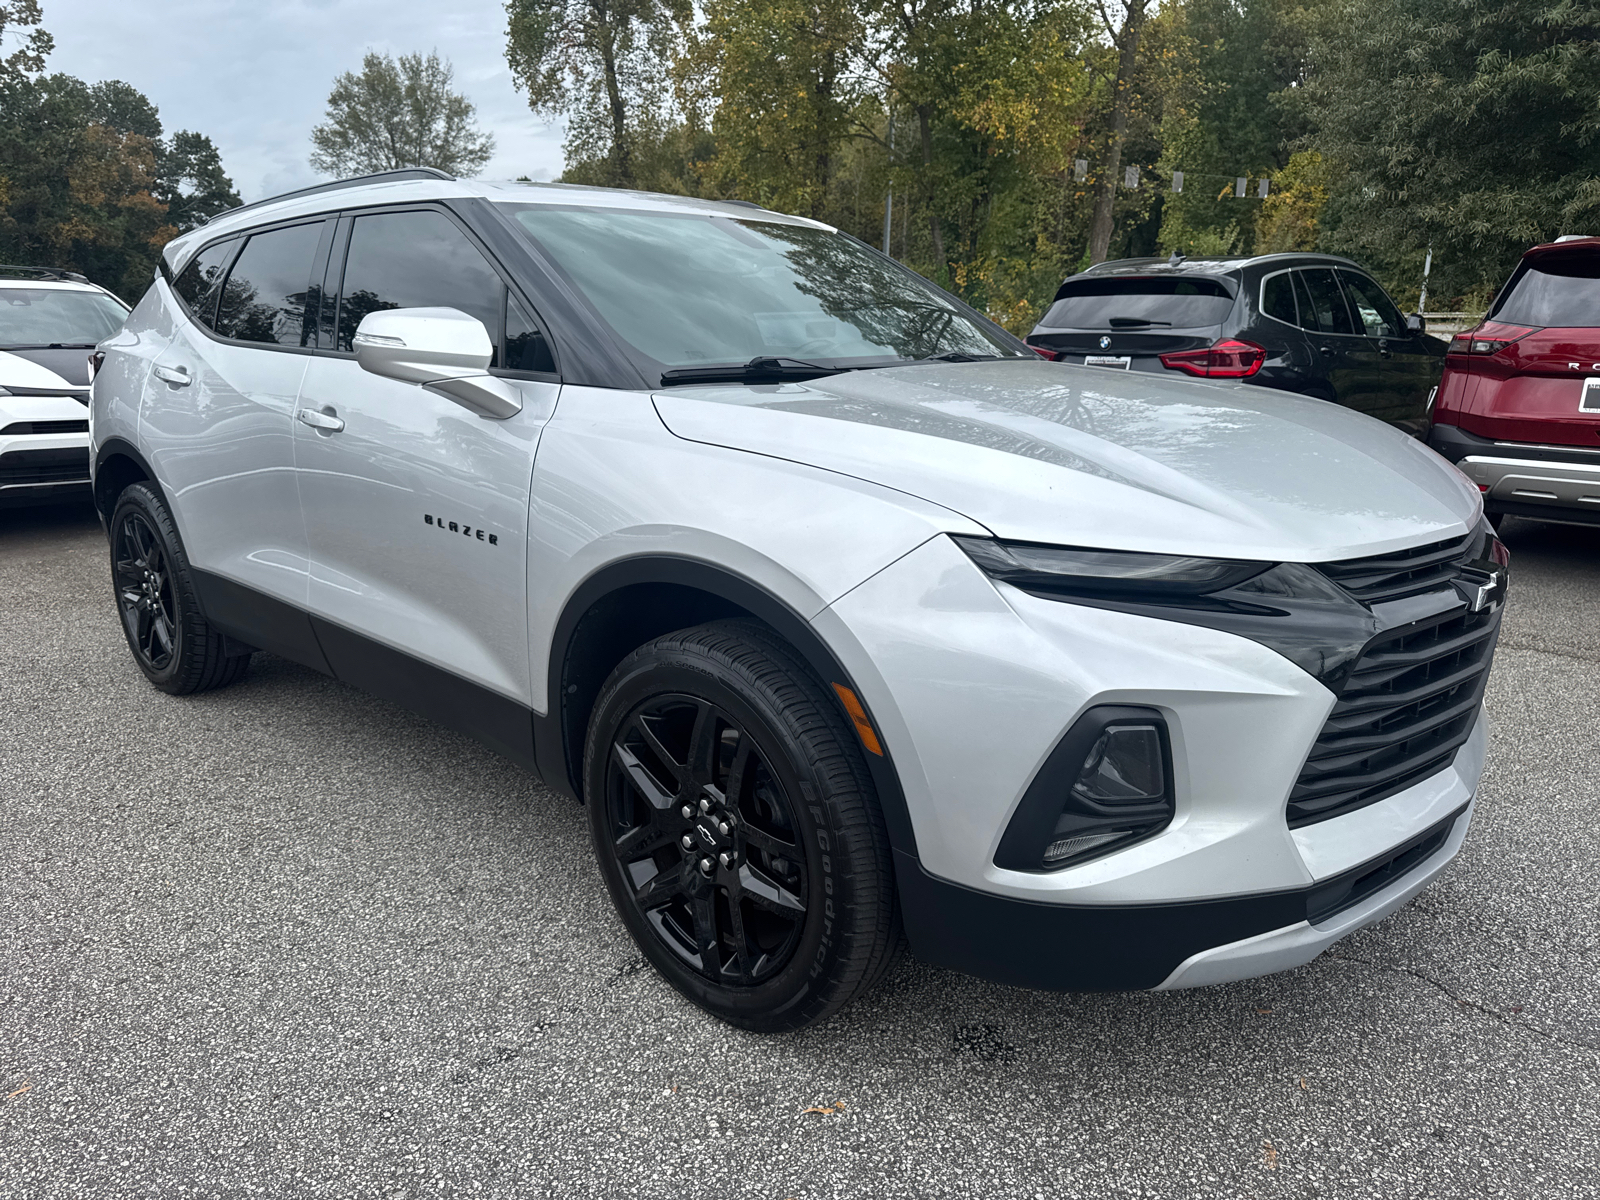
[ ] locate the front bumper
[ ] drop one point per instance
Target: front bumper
(1553, 483)
(973, 684)
(44, 450)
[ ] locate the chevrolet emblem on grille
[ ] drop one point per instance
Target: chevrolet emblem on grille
(1483, 583)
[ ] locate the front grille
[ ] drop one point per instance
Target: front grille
(1405, 708)
(1403, 573)
(18, 428)
(29, 468)
(1333, 896)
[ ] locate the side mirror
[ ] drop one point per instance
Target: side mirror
(1416, 323)
(443, 349)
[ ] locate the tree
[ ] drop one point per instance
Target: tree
(190, 180)
(86, 180)
(28, 58)
(1472, 126)
(399, 113)
(1125, 39)
(603, 64)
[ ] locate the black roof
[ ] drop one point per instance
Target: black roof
(1212, 265)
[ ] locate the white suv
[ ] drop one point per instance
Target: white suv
(49, 322)
(852, 622)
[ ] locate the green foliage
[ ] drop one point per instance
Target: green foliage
(399, 113)
(1469, 125)
(605, 65)
(87, 181)
(1472, 126)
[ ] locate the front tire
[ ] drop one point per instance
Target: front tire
(737, 828)
(171, 640)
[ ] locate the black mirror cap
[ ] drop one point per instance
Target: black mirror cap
(1050, 799)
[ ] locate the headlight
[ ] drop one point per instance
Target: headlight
(1105, 572)
(1106, 785)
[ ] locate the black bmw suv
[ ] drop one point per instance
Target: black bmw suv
(1307, 323)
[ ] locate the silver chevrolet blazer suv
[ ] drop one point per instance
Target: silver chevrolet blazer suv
(855, 626)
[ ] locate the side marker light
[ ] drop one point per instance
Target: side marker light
(858, 716)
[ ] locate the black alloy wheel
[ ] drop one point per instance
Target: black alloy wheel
(737, 827)
(171, 640)
(705, 833)
(144, 591)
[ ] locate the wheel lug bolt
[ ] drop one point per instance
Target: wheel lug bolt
(705, 805)
(707, 866)
(723, 827)
(687, 812)
(686, 842)
(725, 858)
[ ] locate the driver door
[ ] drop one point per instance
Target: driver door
(416, 508)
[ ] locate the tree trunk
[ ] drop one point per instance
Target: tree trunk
(621, 159)
(935, 229)
(1105, 191)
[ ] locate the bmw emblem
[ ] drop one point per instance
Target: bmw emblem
(1105, 343)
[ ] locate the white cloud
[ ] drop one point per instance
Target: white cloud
(255, 75)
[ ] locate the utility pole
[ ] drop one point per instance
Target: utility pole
(888, 201)
(1427, 266)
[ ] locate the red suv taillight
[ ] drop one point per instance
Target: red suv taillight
(1052, 355)
(1491, 337)
(1228, 359)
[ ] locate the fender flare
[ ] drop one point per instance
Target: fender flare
(553, 737)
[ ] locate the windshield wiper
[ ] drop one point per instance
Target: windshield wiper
(1132, 322)
(958, 356)
(52, 346)
(760, 369)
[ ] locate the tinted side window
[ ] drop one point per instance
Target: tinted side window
(1277, 298)
(1559, 289)
(416, 260)
(526, 349)
(197, 283)
(1375, 311)
(264, 299)
(1326, 307)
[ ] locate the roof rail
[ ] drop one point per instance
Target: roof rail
(55, 274)
(336, 185)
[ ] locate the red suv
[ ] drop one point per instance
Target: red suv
(1518, 408)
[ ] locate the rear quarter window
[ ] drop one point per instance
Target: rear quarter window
(1553, 289)
(1180, 302)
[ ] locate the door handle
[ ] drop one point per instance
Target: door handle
(319, 420)
(1328, 350)
(176, 376)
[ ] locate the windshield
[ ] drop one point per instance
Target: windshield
(692, 291)
(1129, 301)
(56, 317)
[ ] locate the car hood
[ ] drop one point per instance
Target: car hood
(44, 368)
(1046, 452)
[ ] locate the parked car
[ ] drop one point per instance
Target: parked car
(1307, 323)
(49, 322)
(848, 617)
(1519, 405)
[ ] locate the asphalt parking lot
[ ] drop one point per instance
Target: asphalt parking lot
(286, 940)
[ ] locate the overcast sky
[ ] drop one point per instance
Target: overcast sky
(255, 74)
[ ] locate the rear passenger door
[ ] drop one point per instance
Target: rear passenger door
(415, 507)
(217, 417)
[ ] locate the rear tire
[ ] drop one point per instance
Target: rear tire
(171, 640)
(737, 828)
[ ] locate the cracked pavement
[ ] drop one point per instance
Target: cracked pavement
(286, 940)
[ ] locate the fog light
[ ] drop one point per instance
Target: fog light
(1124, 766)
(1106, 785)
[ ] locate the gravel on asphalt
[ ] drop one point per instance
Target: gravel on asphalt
(287, 940)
